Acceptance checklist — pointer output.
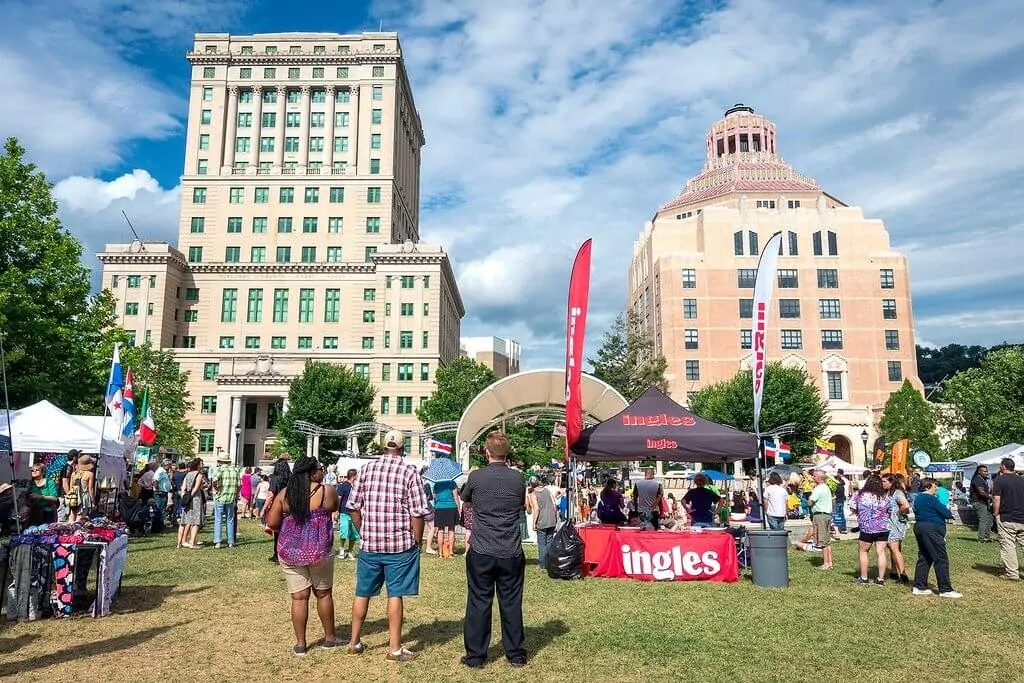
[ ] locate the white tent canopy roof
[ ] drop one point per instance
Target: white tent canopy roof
(45, 428)
(834, 463)
(993, 456)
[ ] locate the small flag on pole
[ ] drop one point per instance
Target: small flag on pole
(128, 402)
(147, 428)
(439, 448)
(824, 449)
(778, 450)
(115, 386)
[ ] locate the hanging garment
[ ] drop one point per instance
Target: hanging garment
(63, 594)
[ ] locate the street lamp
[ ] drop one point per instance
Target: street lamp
(864, 440)
(238, 442)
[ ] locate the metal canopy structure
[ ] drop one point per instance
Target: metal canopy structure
(313, 434)
(535, 392)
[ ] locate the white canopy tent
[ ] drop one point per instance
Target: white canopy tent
(834, 463)
(992, 457)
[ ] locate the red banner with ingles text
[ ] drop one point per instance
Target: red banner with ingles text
(764, 283)
(575, 332)
(669, 556)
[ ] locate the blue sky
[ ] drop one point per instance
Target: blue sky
(549, 122)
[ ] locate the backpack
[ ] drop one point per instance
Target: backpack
(73, 496)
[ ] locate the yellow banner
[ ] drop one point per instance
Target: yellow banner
(899, 457)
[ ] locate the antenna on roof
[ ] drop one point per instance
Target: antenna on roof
(132, 228)
(381, 26)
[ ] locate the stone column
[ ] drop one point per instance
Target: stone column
(282, 97)
(304, 128)
(329, 128)
(231, 129)
(354, 124)
(236, 421)
(284, 405)
(257, 122)
(316, 445)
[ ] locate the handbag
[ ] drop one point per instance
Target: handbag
(186, 496)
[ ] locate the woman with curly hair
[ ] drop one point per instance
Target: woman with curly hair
(302, 519)
(872, 508)
(899, 509)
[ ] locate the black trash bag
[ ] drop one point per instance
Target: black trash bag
(565, 554)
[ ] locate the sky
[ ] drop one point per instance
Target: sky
(550, 121)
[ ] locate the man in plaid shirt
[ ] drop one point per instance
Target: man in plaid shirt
(387, 505)
(227, 479)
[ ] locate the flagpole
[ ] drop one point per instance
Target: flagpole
(10, 435)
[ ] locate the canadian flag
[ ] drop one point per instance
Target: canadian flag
(147, 428)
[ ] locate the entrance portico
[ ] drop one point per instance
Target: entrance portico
(248, 407)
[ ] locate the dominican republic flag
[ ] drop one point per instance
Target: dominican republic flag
(128, 401)
(147, 427)
(439, 448)
(114, 398)
(778, 450)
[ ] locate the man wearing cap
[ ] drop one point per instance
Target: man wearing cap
(226, 482)
(387, 505)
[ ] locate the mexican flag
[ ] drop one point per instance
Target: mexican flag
(147, 428)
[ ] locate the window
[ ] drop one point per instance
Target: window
(209, 72)
(269, 72)
(828, 278)
(270, 49)
(254, 313)
(372, 225)
(375, 141)
(341, 121)
(693, 371)
(195, 254)
(269, 119)
(332, 305)
(245, 73)
(318, 72)
(789, 308)
(368, 316)
(892, 340)
(228, 305)
(293, 73)
(405, 372)
(404, 406)
(341, 144)
(408, 281)
(889, 309)
(895, 368)
(294, 96)
(746, 308)
(737, 243)
(374, 166)
(295, 50)
(204, 141)
(309, 225)
(208, 404)
(226, 342)
(280, 305)
(232, 254)
(192, 315)
(257, 254)
(886, 278)
(131, 308)
(211, 370)
(833, 246)
(746, 339)
(426, 282)
(794, 246)
(426, 309)
(342, 73)
(312, 195)
(376, 115)
(835, 385)
(369, 253)
(316, 144)
(689, 278)
(367, 342)
(330, 342)
(286, 195)
(247, 49)
(284, 255)
(202, 166)
(752, 240)
(284, 224)
(829, 309)
(378, 72)
(316, 119)
(831, 339)
(745, 278)
(407, 309)
(426, 340)
(765, 204)
(425, 372)
(690, 339)
(335, 224)
(308, 255)
(278, 342)
(816, 243)
(689, 308)
(252, 342)
(788, 279)
(377, 93)
(291, 144)
(305, 342)
(373, 195)
(405, 340)
(192, 294)
(198, 195)
(369, 294)
(305, 305)
(269, 97)
(152, 281)
(794, 203)
(244, 121)
(236, 195)
(206, 116)
(385, 403)
(792, 339)
(198, 225)
(206, 438)
(387, 308)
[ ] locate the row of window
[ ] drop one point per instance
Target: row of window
(133, 281)
(793, 339)
(834, 380)
(294, 72)
(294, 95)
(254, 311)
(282, 255)
(828, 309)
(369, 293)
(789, 278)
(378, 48)
(254, 341)
(792, 242)
(286, 195)
(293, 119)
(285, 225)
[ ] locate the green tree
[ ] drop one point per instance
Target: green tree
(51, 325)
(158, 371)
(328, 395)
(455, 387)
(986, 404)
(626, 359)
(908, 416)
(790, 395)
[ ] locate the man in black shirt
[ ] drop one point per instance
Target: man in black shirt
(1008, 506)
(495, 560)
(981, 500)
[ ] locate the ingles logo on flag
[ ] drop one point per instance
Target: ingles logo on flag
(439, 448)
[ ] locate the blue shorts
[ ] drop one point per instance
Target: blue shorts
(399, 571)
(346, 529)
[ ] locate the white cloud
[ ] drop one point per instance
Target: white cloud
(985, 327)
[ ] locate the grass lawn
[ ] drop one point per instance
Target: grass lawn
(223, 615)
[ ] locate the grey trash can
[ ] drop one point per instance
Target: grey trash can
(769, 558)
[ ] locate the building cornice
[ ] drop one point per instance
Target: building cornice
(293, 58)
(142, 258)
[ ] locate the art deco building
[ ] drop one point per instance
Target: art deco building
(500, 355)
(841, 306)
(299, 236)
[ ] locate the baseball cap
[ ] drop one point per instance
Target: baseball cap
(394, 439)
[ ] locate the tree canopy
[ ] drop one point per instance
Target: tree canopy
(157, 370)
(937, 365)
(986, 404)
(53, 330)
(328, 395)
(456, 385)
(626, 359)
(790, 395)
(908, 416)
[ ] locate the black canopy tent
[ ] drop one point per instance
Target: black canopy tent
(654, 427)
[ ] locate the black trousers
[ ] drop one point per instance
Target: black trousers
(486, 575)
(931, 551)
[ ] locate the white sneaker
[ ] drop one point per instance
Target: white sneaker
(342, 554)
(951, 594)
(922, 591)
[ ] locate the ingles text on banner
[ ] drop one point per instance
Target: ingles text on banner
(763, 285)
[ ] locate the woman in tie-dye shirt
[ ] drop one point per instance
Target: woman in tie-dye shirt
(872, 508)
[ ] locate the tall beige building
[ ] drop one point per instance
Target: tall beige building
(841, 306)
(500, 355)
(299, 236)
